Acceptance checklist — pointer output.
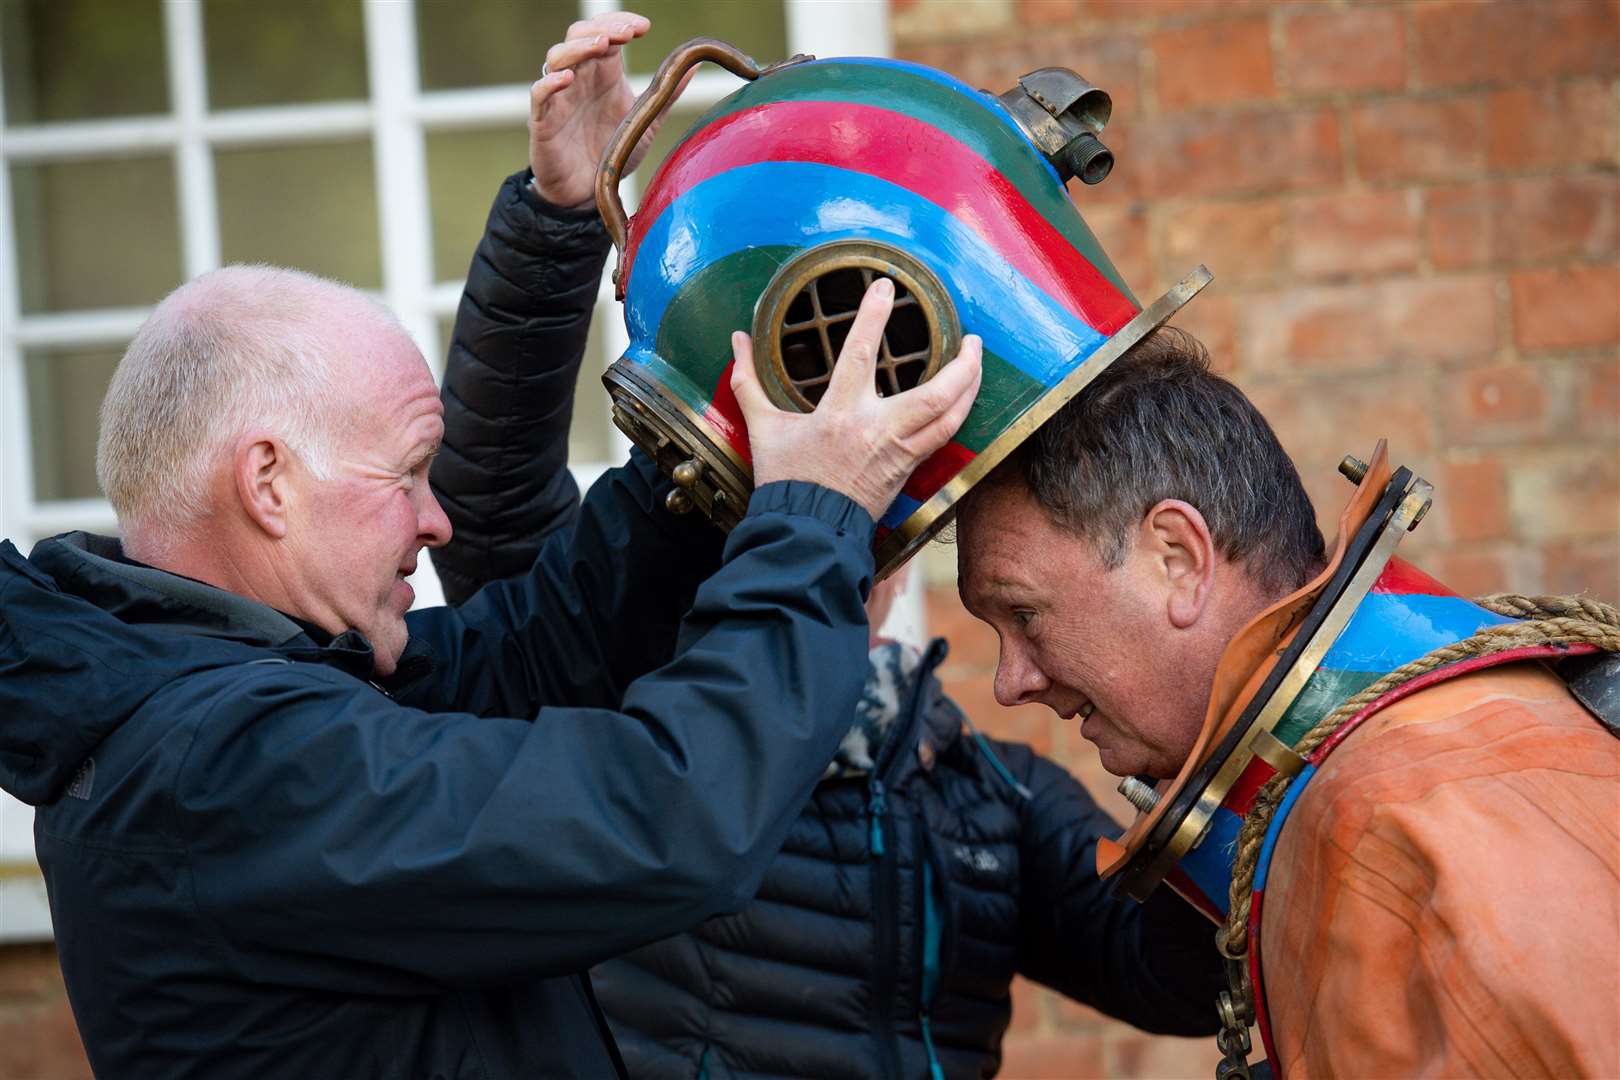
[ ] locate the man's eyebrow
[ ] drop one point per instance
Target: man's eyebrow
(417, 460)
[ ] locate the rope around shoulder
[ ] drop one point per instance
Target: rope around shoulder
(1547, 620)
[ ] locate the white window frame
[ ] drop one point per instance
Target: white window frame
(396, 117)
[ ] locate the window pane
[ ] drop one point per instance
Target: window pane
(589, 438)
(757, 27)
(465, 170)
(65, 388)
(97, 234)
(309, 207)
(78, 59)
(278, 54)
(487, 42)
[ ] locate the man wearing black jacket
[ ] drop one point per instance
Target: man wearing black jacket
(288, 829)
(929, 866)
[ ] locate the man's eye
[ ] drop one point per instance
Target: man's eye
(1023, 617)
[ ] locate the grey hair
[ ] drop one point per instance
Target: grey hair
(1160, 425)
(232, 349)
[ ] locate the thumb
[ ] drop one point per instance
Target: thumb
(751, 396)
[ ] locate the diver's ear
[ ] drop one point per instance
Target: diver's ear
(1181, 553)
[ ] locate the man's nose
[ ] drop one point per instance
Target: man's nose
(1017, 679)
(432, 524)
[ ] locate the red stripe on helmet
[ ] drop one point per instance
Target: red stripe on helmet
(884, 144)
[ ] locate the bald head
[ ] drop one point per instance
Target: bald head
(242, 348)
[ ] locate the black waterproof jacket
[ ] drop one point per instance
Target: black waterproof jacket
(885, 935)
(262, 863)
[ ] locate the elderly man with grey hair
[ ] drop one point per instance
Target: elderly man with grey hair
(290, 829)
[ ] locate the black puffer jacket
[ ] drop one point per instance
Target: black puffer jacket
(888, 930)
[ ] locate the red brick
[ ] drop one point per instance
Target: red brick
(1214, 63)
(1367, 327)
(1134, 1053)
(1112, 63)
(1030, 724)
(1028, 1008)
(1122, 229)
(1598, 395)
(1210, 318)
(960, 19)
(1347, 233)
(1344, 50)
(1591, 567)
(1047, 12)
(1053, 1057)
(973, 643)
(41, 1043)
(1507, 41)
(1320, 420)
(1566, 309)
(1156, 10)
(1472, 500)
(1566, 495)
(1073, 1018)
(1551, 126)
(1475, 571)
(1528, 220)
(1232, 153)
(1406, 139)
(1507, 404)
(29, 974)
(1240, 242)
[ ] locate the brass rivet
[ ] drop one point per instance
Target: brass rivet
(678, 501)
(686, 474)
(1353, 468)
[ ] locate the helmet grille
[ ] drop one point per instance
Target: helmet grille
(819, 318)
(807, 311)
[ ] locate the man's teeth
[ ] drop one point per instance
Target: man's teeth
(1086, 710)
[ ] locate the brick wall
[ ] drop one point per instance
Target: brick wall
(1411, 211)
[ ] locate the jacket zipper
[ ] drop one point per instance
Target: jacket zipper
(886, 876)
(885, 969)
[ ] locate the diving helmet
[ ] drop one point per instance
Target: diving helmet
(780, 205)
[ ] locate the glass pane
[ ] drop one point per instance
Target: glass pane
(465, 170)
(65, 388)
(589, 438)
(757, 27)
(487, 42)
(97, 234)
(309, 207)
(81, 59)
(278, 54)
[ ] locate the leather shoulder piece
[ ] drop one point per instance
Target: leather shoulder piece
(1595, 682)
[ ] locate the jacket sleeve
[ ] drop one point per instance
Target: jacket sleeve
(508, 388)
(1153, 964)
(339, 837)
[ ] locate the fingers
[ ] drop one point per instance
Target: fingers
(750, 395)
(543, 89)
(620, 26)
(937, 432)
(853, 375)
(949, 394)
(575, 51)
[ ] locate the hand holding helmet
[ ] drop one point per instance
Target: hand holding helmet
(856, 442)
(581, 96)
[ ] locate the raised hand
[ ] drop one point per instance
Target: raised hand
(856, 442)
(577, 104)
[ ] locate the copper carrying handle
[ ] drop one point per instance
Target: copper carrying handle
(648, 107)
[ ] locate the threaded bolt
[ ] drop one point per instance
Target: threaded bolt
(1353, 468)
(1141, 794)
(1087, 158)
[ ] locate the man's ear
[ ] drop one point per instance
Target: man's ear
(1176, 538)
(260, 470)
